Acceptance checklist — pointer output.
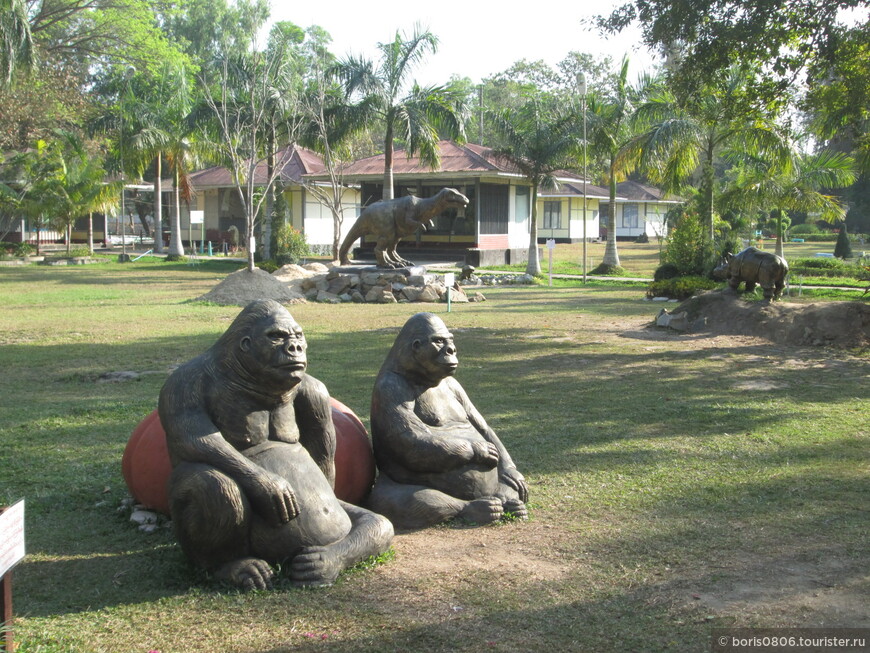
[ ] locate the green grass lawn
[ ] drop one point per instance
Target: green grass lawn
(678, 483)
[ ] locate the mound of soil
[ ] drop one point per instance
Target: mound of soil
(838, 324)
(242, 287)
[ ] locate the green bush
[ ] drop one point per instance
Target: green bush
(680, 287)
(801, 229)
(819, 263)
(81, 250)
(820, 238)
(843, 248)
(688, 247)
(666, 271)
(290, 245)
(23, 249)
(268, 265)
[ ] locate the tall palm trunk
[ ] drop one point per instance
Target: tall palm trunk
(533, 266)
(611, 255)
(176, 248)
(388, 164)
(779, 250)
(707, 191)
(90, 233)
(158, 207)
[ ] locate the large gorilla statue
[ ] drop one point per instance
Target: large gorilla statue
(252, 446)
(437, 457)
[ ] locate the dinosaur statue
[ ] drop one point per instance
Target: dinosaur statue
(391, 220)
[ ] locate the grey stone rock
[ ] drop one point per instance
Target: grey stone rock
(143, 517)
(325, 297)
(429, 294)
(411, 293)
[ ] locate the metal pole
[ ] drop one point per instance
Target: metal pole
(581, 81)
(128, 73)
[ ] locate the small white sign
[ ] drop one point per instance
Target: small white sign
(11, 537)
(197, 217)
(551, 243)
(449, 279)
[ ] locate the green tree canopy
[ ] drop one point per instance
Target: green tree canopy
(417, 116)
(539, 139)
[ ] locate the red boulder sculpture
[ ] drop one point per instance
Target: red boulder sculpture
(146, 467)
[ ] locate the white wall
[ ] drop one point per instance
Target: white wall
(318, 222)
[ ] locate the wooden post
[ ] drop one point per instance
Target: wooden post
(6, 643)
(11, 553)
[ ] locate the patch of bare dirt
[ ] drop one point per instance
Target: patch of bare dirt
(836, 324)
(826, 591)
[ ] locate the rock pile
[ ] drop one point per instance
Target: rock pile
(380, 287)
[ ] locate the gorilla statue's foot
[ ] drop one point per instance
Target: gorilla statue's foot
(247, 574)
(316, 566)
(482, 511)
(516, 508)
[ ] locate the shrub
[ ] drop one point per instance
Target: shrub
(843, 248)
(666, 271)
(81, 250)
(688, 247)
(609, 270)
(290, 245)
(269, 265)
(23, 249)
(680, 287)
(803, 229)
(821, 263)
(820, 238)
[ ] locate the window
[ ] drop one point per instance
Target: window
(552, 215)
(629, 216)
(521, 205)
(493, 209)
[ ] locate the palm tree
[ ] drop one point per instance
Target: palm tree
(687, 137)
(16, 44)
(419, 117)
(611, 128)
(797, 186)
(156, 127)
(79, 185)
(539, 140)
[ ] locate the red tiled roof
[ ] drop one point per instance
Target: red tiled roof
(635, 191)
(297, 161)
(572, 188)
(468, 158)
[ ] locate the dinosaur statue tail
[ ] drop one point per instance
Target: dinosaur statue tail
(355, 232)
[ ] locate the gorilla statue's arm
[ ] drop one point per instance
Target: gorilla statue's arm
(316, 430)
(507, 470)
(410, 441)
(192, 438)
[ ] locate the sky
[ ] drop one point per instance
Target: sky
(476, 39)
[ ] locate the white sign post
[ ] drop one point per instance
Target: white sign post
(551, 245)
(449, 280)
(11, 553)
(196, 217)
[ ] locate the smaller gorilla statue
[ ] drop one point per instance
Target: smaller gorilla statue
(437, 457)
(252, 446)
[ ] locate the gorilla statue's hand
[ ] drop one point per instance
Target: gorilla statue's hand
(274, 499)
(512, 478)
(485, 453)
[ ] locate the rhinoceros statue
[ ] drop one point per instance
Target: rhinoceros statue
(753, 266)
